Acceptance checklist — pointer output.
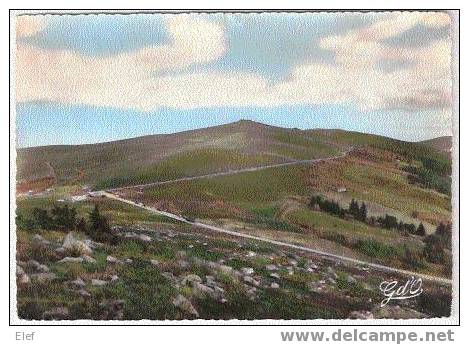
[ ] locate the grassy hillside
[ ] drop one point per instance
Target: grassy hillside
(442, 144)
(161, 157)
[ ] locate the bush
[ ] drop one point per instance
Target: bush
(99, 229)
(375, 249)
(413, 259)
(434, 250)
(420, 230)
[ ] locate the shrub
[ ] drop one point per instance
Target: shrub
(99, 229)
(434, 249)
(413, 259)
(420, 230)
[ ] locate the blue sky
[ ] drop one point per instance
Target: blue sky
(92, 78)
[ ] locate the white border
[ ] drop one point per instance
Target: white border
(453, 320)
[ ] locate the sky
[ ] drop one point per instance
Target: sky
(93, 78)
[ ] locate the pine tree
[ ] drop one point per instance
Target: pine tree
(99, 228)
(354, 209)
(420, 230)
(363, 212)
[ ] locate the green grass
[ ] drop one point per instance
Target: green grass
(118, 212)
(192, 163)
(298, 146)
(391, 189)
(256, 188)
(328, 223)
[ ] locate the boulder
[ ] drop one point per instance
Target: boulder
(113, 260)
(144, 238)
(88, 259)
(154, 262)
(19, 271)
(59, 313)
(24, 279)
(183, 264)
(200, 289)
(271, 267)
(275, 275)
(274, 286)
(331, 273)
(98, 282)
(251, 280)
(361, 315)
(70, 259)
(72, 244)
(183, 303)
(83, 293)
(191, 279)
(247, 270)
(77, 283)
(43, 277)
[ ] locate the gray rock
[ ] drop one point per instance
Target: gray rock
(60, 251)
(92, 244)
(38, 238)
(183, 264)
(183, 303)
(275, 275)
(88, 259)
(19, 271)
(59, 313)
(72, 244)
(191, 279)
(33, 264)
(78, 283)
(43, 268)
(113, 260)
(43, 277)
(251, 280)
(361, 315)
(24, 279)
(331, 273)
(271, 268)
(98, 282)
(83, 293)
(274, 286)
(247, 270)
(128, 261)
(70, 259)
(169, 276)
(144, 238)
(114, 278)
(154, 262)
(351, 280)
(201, 289)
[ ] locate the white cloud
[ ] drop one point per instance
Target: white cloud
(129, 80)
(27, 26)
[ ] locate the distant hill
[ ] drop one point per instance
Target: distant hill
(442, 144)
(167, 156)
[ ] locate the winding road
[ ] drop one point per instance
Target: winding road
(231, 172)
(109, 194)
(278, 243)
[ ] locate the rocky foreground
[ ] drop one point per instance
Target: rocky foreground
(155, 273)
